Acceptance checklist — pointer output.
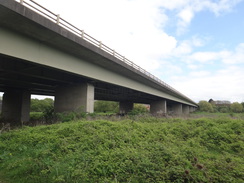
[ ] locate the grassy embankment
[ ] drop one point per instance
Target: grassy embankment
(144, 150)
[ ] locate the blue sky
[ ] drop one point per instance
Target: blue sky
(196, 46)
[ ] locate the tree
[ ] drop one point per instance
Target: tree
(223, 109)
(106, 106)
(139, 109)
(236, 107)
(41, 105)
(205, 106)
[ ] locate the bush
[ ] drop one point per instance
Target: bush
(37, 116)
(70, 116)
(236, 107)
(41, 105)
(205, 106)
(224, 109)
(49, 115)
(106, 106)
(139, 109)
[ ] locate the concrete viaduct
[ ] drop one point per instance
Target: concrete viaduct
(40, 53)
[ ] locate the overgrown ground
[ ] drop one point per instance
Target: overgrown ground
(217, 115)
(132, 150)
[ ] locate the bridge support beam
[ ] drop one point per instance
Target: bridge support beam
(16, 106)
(125, 107)
(158, 107)
(74, 98)
(186, 109)
(177, 109)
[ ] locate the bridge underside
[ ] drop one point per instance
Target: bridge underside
(42, 80)
(20, 78)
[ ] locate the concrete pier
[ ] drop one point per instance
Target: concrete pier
(158, 107)
(16, 106)
(177, 109)
(125, 107)
(74, 98)
(185, 109)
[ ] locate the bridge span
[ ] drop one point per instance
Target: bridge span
(41, 53)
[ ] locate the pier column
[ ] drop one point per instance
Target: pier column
(125, 107)
(75, 97)
(186, 109)
(192, 109)
(177, 109)
(16, 106)
(158, 107)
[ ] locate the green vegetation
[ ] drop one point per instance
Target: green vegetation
(110, 107)
(106, 107)
(38, 105)
(199, 114)
(146, 150)
(205, 106)
(139, 109)
(236, 107)
(42, 111)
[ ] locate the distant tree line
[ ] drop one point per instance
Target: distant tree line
(210, 107)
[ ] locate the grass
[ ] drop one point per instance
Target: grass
(132, 150)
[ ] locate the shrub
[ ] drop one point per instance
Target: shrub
(224, 109)
(236, 107)
(139, 109)
(106, 106)
(49, 114)
(205, 106)
(37, 116)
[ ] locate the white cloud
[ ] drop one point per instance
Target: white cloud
(227, 57)
(236, 57)
(199, 74)
(226, 84)
(204, 57)
(184, 47)
(193, 66)
(186, 9)
(185, 15)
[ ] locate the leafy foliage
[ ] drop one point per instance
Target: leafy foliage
(148, 150)
(236, 107)
(223, 109)
(139, 109)
(205, 106)
(41, 105)
(106, 106)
